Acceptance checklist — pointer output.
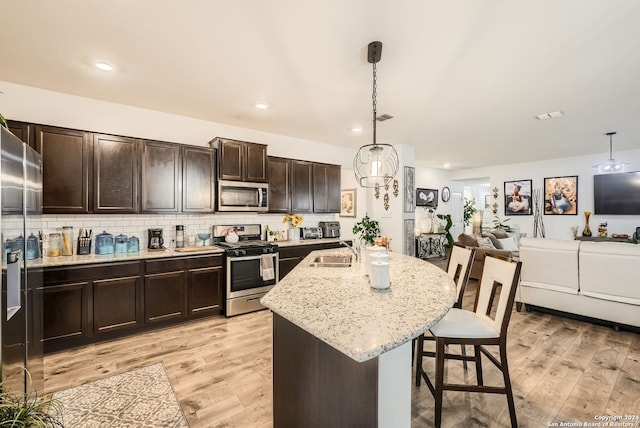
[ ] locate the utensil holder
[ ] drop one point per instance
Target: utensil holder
(84, 246)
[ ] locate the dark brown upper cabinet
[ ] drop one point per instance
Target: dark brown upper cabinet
(241, 160)
(160, 170)
(301, 186)
(279, 184)
(24, 131)
(115, 174)
(198, 180)
(66, 155)
(326, 188)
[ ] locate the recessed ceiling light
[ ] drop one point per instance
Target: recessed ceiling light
(104, 66)
(446, 165)
(262, 106)
(550, 115)
(356, 129)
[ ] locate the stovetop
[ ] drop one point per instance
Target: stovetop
(248, 243)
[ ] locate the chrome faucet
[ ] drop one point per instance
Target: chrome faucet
(354, 250)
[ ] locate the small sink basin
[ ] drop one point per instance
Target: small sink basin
(331, 261)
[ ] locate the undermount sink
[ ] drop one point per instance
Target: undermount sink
(331, 261)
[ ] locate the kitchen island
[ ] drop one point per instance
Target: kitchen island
(342, 350)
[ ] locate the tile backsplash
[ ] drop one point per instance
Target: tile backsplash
(137, 224)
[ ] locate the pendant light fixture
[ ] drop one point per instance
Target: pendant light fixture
(375, 164)
(611, 165)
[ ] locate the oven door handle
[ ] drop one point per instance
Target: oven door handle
(244, 258)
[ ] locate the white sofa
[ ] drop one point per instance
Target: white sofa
(593, 279)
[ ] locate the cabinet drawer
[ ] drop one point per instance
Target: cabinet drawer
(172, 264)
(88, 272)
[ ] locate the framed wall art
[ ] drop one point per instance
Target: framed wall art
(409, 189)
(348, 206)
(561, 195)
(409, 237)
(517, 198)
(427, 198)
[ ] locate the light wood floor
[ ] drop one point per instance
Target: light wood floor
(562, 370)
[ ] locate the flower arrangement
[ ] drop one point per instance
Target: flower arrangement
(294, 220)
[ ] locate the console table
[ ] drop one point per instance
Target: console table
(601, 239)
(430, 245)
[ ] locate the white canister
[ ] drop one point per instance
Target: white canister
(376, 257)
(373, 249)
(379, 277)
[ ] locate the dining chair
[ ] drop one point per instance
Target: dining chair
(458, 269)
(485, 326)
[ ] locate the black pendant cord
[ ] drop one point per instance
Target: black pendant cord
(375, 101)
(611, 134)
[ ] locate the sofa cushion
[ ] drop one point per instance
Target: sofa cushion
(508, 244)
(549, 263)
(485, 243)
(467, 240)
(499, 233)
(494, 240)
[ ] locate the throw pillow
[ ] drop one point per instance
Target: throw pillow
(499, 233)
(493, 238)
(509, 244)
(485, 243)
(467, 240)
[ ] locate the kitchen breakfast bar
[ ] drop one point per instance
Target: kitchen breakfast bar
(342, 350)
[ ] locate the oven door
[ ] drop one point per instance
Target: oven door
(243, 276)
(242, 196)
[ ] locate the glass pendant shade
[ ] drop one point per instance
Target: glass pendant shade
(376, 165)
(611, 166)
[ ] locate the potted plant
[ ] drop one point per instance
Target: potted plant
(502, 224)
(31, 410)
(3, 121)
(367, 230)
(447, 227)
(469, 209)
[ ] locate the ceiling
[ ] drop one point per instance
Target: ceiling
(463, 79)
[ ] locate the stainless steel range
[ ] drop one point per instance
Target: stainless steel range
(251, 265)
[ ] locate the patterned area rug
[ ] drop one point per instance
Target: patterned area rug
(139, 398)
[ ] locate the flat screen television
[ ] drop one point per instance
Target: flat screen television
(617, 193)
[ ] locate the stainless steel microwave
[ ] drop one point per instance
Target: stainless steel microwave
(242, 196)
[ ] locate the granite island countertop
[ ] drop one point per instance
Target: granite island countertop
(338, 306)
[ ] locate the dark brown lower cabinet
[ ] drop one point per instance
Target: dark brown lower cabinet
(116, 304)
(165, 296)
(88, 303)
(289, 257)
(65, 313)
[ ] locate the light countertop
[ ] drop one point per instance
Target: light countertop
(147, 254)
(338, 306)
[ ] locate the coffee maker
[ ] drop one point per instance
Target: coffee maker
(155, 241)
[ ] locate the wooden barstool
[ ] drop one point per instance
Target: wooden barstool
(459, 269)
(480, 327)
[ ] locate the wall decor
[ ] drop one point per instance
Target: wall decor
(427, 198)
(517, 197)
(495, 192)
(348, 206)
(409, 237)
(538, 224)
(446, 194)
(396, 188)
(561, 195)
(386, 201)
(376, 191)
(409, 189)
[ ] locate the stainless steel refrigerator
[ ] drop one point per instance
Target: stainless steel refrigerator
(21, 368)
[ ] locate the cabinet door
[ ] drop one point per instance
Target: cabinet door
(160, 177)
(205, 291)
(301, 187)
(65, 314)
(65, 169)
(117, 304)
(165, 296)
(279, 184)
(198, 180)
(115, 174)
(255, 162)
(286, 265)
(326, 188)
(24, 131)
(231, 157)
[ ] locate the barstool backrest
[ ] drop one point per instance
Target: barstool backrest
(459, 268)
(503, 272)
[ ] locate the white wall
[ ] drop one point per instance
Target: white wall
(557, 226)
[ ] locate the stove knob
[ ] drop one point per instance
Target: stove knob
(236, 253)
(243, 252)
(265, 250)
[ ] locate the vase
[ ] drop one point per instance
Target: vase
(293, 234)
(587, 229)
